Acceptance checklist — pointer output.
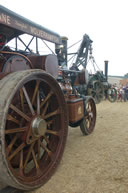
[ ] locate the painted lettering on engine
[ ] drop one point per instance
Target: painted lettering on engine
(5, 19)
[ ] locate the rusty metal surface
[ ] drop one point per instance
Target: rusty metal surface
(75, 109)
(49, 63)
(53, 113)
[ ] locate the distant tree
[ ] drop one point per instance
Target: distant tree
(126, 75)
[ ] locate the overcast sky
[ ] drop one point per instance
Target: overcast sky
(105, 21)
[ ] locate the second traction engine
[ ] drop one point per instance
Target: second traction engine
(73, 82)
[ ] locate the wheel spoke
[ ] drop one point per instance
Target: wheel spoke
(17, 130)
(11, 144)
(88, 112)
(10, 118)
(39, 149)
(47, 97)
(22, 99)
(53, 132)
(56, 112)
(20, 112)
(38, 103)
(46, 139)
(28, 155)
(87, 123)
(46, 149)
(17, 151)
(45, 109)
(34, 159)
(28, 101)
(21, 169)
(21, 159)
(90, 118)
(35, 91)
(88, 107)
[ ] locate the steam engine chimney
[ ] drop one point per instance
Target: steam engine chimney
(106, 69)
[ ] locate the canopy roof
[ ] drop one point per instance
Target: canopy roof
(13, 25)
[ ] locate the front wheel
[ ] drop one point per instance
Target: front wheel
(88, 123)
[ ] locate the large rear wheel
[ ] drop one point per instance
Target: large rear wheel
(33, 128)
(112, 94)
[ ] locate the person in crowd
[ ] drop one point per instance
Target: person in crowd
(121, 94)
(124, 91)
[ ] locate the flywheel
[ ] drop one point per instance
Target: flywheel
(97, 91)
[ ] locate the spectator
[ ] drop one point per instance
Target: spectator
(121, 94)
(124, 91)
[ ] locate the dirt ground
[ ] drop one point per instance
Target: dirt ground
(97, 163)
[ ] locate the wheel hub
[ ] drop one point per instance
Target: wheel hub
(39, 127)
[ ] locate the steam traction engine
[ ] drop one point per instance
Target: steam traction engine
(39, 99)
(95, 85)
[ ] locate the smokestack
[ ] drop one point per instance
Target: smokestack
(106, 69)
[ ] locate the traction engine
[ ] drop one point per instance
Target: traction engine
(39, 99)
